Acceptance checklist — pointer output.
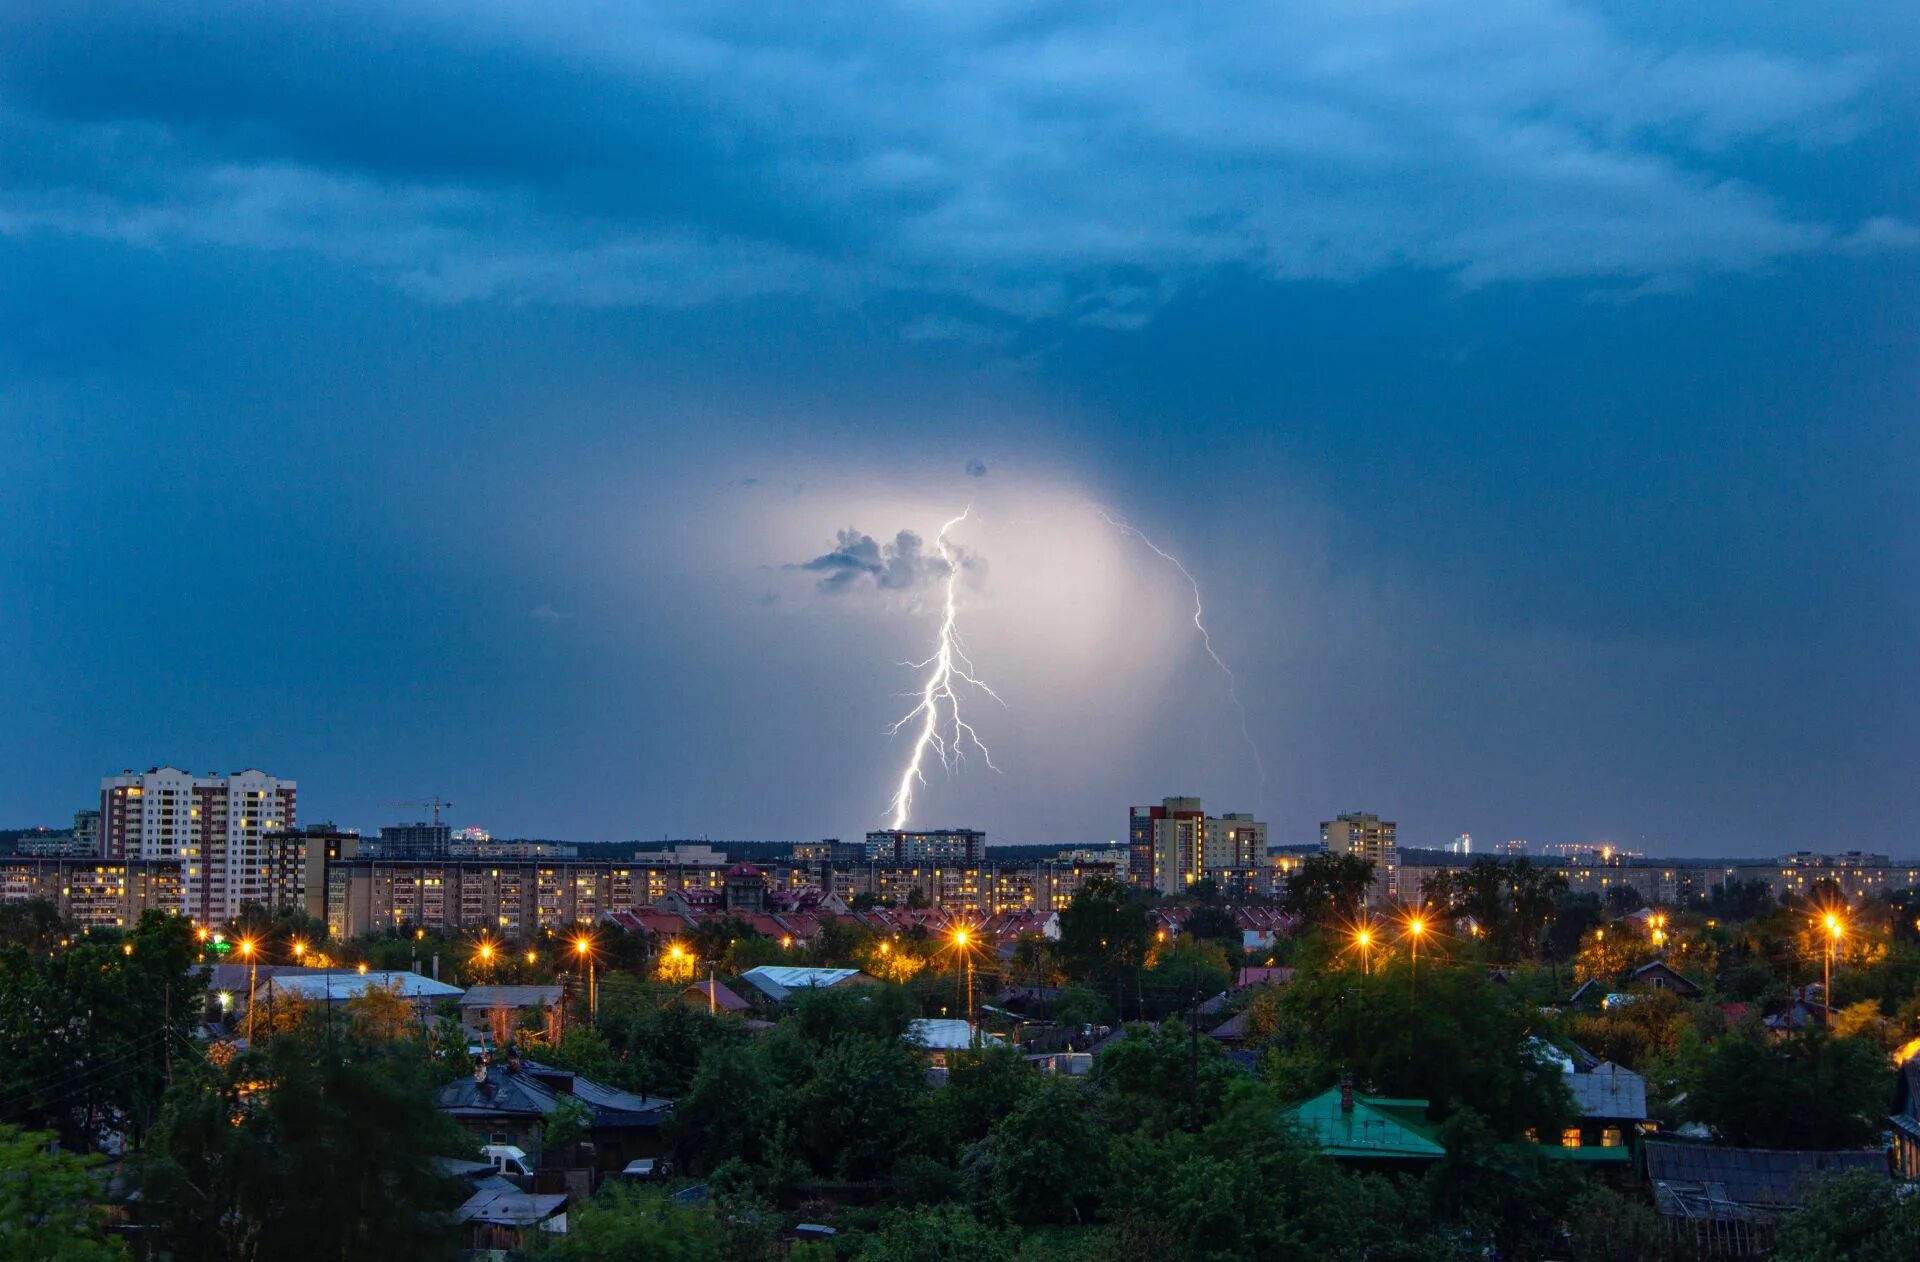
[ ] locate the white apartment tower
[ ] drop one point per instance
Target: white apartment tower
(233, 836)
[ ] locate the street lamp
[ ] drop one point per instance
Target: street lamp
(1416, 927)
(962, 936)
(583, 947)
(1363, 938)
(1835, 927)
(253, 966)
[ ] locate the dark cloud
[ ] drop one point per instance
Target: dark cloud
(859, 561)
(1079, 165)
(976, 468)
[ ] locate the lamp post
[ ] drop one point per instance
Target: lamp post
(583, 947)
(1416, 927)
(1363, 938)
(1835, 927)
(248, 949)
(961, 937)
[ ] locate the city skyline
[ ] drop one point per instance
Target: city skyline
(504, 411)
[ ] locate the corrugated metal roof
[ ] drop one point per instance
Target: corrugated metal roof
(1689, 1176)
(1608, 1091)
(510, 997)
(1370, 1129)
(340, 986)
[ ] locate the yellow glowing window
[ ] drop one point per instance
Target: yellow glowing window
(1570, 1137)
(1610, 1137)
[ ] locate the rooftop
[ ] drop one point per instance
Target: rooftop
(1377, 1127)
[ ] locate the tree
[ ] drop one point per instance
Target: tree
(48, 1202)
(1241, 1188)
(624, 1225)
(1510, 899)
(1104, 934)
(1811, 1092)
(943, 1233)
(1854, 1217)
(297, 1151)
(981, 1088)
(1330, 889)
(727, 1112)
(381, 1014)
(1604, 1226)
(1160, 1078)
(1044, 1161)
(1458, 1043)
(86, 1031)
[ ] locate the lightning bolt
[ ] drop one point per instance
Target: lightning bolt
(1200, 624)
(947, 736)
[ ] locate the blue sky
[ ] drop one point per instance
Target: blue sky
(445, 401)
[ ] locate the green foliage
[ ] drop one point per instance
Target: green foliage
(1159, 1079)
(1239, 1189)
(856, 1106)
(1185, 973)
(48, 1203)
(981, 1088)
(1855, 1217)
(84, 1030)
(941, 1233)
(1809, 1092)
(1510, 899)
(1632, 1034)
(1330, 889)
(294, 1151)
(623, 1225)
(727, 1112)
(1457, 1042)
(1044, 1161)
(568, 1125)
(1103, 932)
(1604, 1226)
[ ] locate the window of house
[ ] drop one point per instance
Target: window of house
(1610, 1137)
(1570, 1137)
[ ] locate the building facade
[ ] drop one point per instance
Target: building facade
(415, 841)
(234, 836)
(516, 900)
(1174, 844)
(1368, 837)
(898, 845)
(94, 893)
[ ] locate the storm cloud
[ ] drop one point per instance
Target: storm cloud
(860, 562)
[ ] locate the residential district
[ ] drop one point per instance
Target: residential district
(230, 1034)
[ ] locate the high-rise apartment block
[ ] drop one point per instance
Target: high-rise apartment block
(1174, 844)
(1371, 838)
(233, 836)
(415, 841)
(946, 845)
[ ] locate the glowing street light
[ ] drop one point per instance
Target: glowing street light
(1835, 927)
(1416, 929)
(247, 949)
(962, 938)
(583, 947)
(1363, 938)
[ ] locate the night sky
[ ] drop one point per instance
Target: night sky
(524, 404)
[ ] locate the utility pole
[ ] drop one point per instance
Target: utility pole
(1193, 1048)
(166, 1030)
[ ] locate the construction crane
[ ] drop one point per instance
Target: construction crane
(435, 803)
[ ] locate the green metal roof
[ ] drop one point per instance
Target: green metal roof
(1377, 1127)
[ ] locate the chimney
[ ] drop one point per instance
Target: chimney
(436, 966)
(480, 1072)
(1346, 1093)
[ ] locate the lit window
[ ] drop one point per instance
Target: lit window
(1570, 1137)
(1610, 1137)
